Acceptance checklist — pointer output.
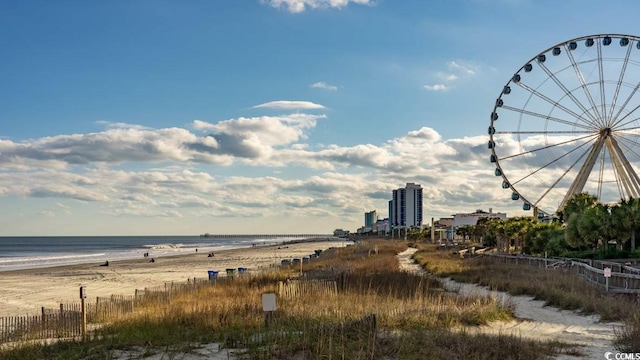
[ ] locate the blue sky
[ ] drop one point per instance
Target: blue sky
(259, 116)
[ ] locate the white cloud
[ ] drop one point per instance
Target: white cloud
(164, 176)
(462, 68)
(457, 70)
(298, 6)
(447, 77)
(425, 133)
(436, 87)
(289, 105)
(324, 85)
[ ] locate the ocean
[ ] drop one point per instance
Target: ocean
(18, 253)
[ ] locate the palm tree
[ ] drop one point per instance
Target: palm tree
(541, 237)
(571, 216)
(464, 231)
(596, 225)
(576, 205)
(627, 217)
(496, 227)
(520, 226)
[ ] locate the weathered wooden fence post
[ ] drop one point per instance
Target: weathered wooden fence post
(83, 296)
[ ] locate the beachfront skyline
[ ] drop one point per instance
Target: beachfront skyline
(259, 116)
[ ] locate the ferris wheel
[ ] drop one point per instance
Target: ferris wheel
(568, 121)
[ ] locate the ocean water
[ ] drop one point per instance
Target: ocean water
(18, 253)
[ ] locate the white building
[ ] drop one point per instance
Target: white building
(472, 218)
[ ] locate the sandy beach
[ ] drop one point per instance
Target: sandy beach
(24, 292)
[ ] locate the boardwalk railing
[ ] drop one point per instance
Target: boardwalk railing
(624, 279)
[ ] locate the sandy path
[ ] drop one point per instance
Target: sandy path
(535, 320)
(24, 292)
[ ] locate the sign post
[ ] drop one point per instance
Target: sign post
(269, 306)
(83, 296)
(607, 275)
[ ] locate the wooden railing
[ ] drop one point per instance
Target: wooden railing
(624, 279)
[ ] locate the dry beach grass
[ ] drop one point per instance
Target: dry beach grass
(378, 312)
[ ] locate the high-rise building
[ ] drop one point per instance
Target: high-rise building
(391, 215)
(406, 206)
(370, 219)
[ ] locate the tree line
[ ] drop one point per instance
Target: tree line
(585, 228)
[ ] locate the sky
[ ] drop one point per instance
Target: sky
(158, 117)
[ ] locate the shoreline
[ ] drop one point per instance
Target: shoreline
(24, 292)
(18, 255)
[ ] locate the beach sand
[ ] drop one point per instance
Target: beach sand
(25, 292)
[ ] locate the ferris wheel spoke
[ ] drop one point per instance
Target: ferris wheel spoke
(619, 84)
(592, 123)
(617, 123)
(552, 162)
(543, 132)
(547, 147)
(558, 105)
(627, 131)
(583, 83)
(555, 183)
(547, 117)
(567, 92)
(601, 74)
(615, 120)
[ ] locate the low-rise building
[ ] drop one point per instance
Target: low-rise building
(472, 218)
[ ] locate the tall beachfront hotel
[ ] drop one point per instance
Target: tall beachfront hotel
(405, 207)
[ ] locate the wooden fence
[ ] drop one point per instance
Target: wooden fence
(294, 288)
(66, 321)
(624, 279)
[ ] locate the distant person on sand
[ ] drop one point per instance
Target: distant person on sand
(106, 263)
(153, 260)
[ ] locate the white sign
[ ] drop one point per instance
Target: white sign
(269, 302)
(607, 272)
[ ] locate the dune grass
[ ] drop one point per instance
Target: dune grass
(378, 312)
(558, 287)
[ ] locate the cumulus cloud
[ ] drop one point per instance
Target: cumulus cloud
(169, 173)
(298, 6)
(223, 143)
(290, 105)
(324, 85)
(425, 133)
